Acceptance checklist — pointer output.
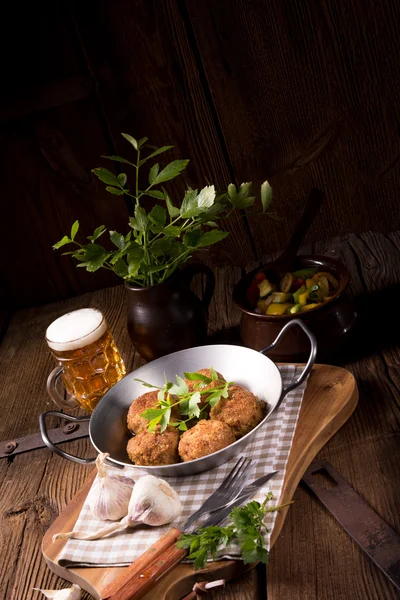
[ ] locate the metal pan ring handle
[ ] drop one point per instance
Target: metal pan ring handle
(311, 358)
(53, 447)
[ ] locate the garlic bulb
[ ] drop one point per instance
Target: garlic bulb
(73, 593)
(110, 493)
(153, 502)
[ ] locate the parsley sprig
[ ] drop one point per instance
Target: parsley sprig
(187, 401)
(247, 528)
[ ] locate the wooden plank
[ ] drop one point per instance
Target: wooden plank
(306, 96)
(159, 91)
(33, 100)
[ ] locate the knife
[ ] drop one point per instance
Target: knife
(368, 530)
(163, 556)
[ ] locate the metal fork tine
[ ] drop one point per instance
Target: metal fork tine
(242, 460)
(229, 489)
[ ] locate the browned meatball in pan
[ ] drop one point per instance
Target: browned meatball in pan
(205, 438)
(135, 422)
(151, 449)
(241, 410)
(194, 384)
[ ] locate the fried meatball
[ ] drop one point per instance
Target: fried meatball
(205, 438)
(135, 422)
(151, 449)
(192, 384)
(241, 410)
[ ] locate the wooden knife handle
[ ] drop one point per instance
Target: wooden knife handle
(141, 582)
(166, 541)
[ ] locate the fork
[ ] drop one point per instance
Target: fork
(227, 491)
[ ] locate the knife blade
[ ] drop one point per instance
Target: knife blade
(378, 540)
(163, 556)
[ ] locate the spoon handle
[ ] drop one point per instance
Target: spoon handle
(314, 202)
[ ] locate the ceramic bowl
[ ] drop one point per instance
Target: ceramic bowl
(330, 323)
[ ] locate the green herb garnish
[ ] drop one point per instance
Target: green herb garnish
(187, 402)
(247, 528)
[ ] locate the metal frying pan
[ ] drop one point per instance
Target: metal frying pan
(107, 428)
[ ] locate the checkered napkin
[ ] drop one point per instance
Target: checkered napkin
(271, 446)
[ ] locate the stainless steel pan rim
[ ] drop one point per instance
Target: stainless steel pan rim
(107, 427)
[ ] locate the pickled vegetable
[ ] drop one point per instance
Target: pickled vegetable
(278, 309)
(286, 282)
(296, 292)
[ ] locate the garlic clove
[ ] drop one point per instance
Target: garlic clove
(73, 593)
(153, 502)
(111, 491)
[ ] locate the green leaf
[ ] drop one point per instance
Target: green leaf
(152, 413)
(115, 191)
(122, 179)
(182, 426)
(214, 397)
(119, 159)
(155, 153)
(65, 240)
(191, 238)
(232, 191)
(194, 376)
(120, 268)
(106, 176)
(93, 251)
(158, 215)
(179, 388)
(172, 210)
(117, 239)
(165, 419)
(135, 253)
(213, 372)
(266, 195)
(153, 173)
(153, 424)
(142, 141)
(141, 218)
(74, 229)
(97, 233)
(95, 264)
(206, 197)
(155, 194)
(161, 246)
(189, 204)
(212, 237)
(147, 384)
(173, 231)
(194, 409)
(171, 171)
(130, 139)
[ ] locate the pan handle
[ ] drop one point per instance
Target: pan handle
(311, 358)
(53, 447)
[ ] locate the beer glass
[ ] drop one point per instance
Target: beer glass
(89, 361)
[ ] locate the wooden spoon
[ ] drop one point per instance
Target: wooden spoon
(283, 263)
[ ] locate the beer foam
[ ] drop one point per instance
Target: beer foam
(76, 329)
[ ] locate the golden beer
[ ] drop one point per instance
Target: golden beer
(90, 363)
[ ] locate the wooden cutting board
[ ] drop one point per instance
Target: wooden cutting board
(330, 398)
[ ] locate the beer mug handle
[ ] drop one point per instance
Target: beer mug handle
(53, 392)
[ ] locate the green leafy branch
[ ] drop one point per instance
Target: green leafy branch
(247, 528)
(165, 237)
(187, 402)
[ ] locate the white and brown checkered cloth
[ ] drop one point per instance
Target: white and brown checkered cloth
(271, 446)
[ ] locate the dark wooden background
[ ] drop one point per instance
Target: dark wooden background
(303, 93)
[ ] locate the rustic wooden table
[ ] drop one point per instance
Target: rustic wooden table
(313, 558)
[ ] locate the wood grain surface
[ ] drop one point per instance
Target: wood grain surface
(313, 558)
(303, 94)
